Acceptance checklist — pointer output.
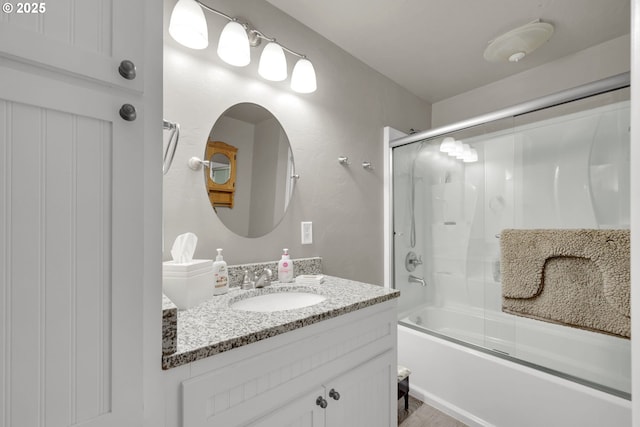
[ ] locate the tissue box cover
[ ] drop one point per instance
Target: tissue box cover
(187, 284)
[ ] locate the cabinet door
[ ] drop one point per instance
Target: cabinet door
(301, 412)
(87, 38)
(71, 193)
(366, 395)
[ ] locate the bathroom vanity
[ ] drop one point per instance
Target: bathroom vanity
(329, 364)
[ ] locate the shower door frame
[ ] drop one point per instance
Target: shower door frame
(608, 84)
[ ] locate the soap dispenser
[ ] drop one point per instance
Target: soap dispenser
(221, 275)
(285, 268)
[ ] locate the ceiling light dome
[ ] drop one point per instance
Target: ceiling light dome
(519, 42)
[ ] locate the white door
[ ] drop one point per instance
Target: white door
(364, 396)
(85, 38)
(71, 191)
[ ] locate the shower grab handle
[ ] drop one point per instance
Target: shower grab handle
(416, 279)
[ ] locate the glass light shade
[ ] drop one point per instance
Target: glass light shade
(273, 64)
(457, 148)
(303, 78)
(460, 154)
(233, 46)
(471, 156)
(188, 26)
(447, 145)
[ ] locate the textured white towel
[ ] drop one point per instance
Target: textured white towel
(309, 279)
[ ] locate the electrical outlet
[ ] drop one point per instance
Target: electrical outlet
(306, 232)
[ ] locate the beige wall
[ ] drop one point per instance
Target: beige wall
(344, 117)
(595, 63)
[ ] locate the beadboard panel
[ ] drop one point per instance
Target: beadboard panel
(69, 329)
(82, 37)
(364, 387)
(58, 279)
(82, 23)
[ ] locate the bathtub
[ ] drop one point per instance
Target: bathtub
(482, 389)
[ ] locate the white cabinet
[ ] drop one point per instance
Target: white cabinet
(301, 412)
(278, 381)
(72, 214)
(358, 397)
(363, 395)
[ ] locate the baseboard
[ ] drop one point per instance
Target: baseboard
(448, 408)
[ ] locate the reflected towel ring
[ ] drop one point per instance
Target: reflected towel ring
(170, 150)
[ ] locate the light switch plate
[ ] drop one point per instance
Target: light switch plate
(306, 232)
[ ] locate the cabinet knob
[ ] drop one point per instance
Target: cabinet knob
(127, 69)
(128, 112)
(321, 402)
(334, 394)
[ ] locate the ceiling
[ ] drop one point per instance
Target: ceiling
(434, 48)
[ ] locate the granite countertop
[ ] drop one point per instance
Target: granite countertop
(213, 327)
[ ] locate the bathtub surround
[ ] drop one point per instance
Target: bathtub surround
(579, 277)
(482, 390)
(532, 173)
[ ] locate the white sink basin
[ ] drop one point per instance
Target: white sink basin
(278, 301)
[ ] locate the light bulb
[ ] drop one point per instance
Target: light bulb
(188, 26)
(303, 78)
(233, 46)
(273, 64)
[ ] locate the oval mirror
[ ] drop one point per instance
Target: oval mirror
(249, 179)
(220, 170)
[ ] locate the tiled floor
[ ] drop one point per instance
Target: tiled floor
(423, 415)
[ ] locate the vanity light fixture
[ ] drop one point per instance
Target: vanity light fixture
(189, 28)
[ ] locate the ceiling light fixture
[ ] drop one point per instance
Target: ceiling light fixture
(189, 28)
(519, 42)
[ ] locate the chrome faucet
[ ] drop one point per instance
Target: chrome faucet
(248, 281)
(416, 279)
(264, 279)
(251, 280)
